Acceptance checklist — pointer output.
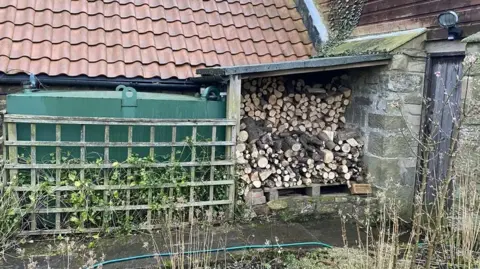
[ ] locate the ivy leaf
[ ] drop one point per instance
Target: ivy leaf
(77, 184)
(84, 215)
(11, 212)
(71, 176)
(74, 220)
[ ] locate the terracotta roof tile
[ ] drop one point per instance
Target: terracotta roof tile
(222, 7)
(190, 29)
(5, 47)
(253, 60)
(217, 32)
(165, 56)
(287, 49)
(196, 5)
(248, 47)
(196, 58)
(178, 42)
(256, 34)
(136, 53)
(7, 30)
(225, 59)
(207, 44)
(261, 48)
(235, 46)
(147, 38)
(209, 6)
(193, 44)
(211, 59)
(221, 46)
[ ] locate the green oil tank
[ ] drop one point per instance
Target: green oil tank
(125, 102)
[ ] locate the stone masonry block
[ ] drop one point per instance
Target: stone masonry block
(475, 87)
(372, 78)
(416, 66)
(473, 47)
(475, 70)
(362, 101)
(356, 116)
(468, 149)
(388, 169)
(407, 176)
(381, 104)
(369, 88)
(470, 141)
(404, 82)
(408, 162)
(386, 122)
(313, 190)
(471, 95)
(399, 62)
(412, 109)
(386, 106)
(471, 87)
(272, 195)
(381, 169)
(390, 145)
(255, 197)
(413, 99)
(413, 120)
(471, 50)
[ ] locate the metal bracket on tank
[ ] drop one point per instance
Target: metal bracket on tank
(211, 93)
(129, 100)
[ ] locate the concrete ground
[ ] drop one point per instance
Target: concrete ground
(327, 230)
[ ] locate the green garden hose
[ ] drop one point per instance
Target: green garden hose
(229, 249)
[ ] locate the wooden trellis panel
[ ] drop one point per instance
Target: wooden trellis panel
(57, 210)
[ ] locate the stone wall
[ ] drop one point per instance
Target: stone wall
(298, 208)
(469, 141)
(387, 106)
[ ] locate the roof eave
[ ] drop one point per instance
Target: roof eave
(296, 67)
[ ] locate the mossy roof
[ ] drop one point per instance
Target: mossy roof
(382, 43)
(472, 39)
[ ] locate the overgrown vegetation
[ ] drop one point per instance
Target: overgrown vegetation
(107, 208)
(342, 19)
(10, 220)
(126, 196)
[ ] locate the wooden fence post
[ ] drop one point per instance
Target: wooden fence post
(233, 113)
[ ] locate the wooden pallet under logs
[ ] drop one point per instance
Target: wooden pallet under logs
(315, 190)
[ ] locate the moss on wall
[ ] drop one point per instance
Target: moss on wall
(374, 45)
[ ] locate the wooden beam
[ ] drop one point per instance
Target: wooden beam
(314, 69)
(234, 99)
(12, 151)
(15, 118)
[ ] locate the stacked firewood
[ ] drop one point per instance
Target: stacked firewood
(292, 134)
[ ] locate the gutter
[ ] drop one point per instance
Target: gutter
(187, 85)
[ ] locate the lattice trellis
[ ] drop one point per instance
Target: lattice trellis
(22, 158)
